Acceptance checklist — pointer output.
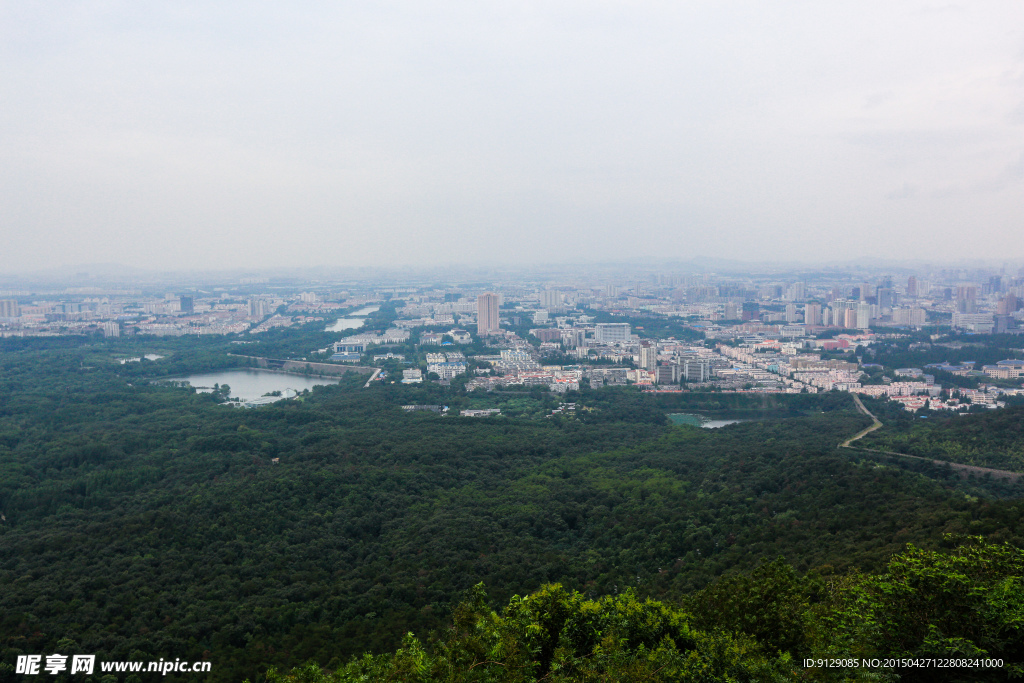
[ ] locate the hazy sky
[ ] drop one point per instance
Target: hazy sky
(206, 134)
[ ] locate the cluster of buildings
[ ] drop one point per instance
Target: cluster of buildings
(133, 313)
(446, 365)
(975, 301)
(782, 352)
(726, 331)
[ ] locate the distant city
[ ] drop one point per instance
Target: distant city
(664, 331)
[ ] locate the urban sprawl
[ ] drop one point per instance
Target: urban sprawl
(662, 332)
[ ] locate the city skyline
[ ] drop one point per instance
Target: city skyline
(664, 332)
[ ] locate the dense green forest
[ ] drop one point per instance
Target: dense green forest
(954, 613)
(993, 438)
(142, 521)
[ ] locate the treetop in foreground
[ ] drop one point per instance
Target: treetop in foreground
(959, 604)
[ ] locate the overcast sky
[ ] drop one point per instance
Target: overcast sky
(199, 134)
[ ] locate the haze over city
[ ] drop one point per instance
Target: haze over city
(242, 135)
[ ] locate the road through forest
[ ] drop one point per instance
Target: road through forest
(964, 470)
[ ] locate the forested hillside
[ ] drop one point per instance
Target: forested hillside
(949, 615)
(990, 439)
(143, 521)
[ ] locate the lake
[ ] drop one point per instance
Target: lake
(695, 420)
(250, 385)
(342, 324)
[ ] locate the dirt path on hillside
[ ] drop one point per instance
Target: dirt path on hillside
(875, 424)
(964, 470)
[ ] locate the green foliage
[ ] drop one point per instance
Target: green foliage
(186, 541)
(967, 602)
(993, 438)
(558, 635)
(754, 405)
(770, 605)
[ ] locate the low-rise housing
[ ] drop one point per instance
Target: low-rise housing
(447, 370)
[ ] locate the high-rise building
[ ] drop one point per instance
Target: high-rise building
(911, 286)
(812, 314)
(967, 298)
(863, 316)
(1007, 305)
(186, 304)
(111, 328)
(487, 314)
(913, 316)
(258, 308)
(850, 321)
(840, 308)
(9, 308)
(648, 357)
(796, 291)
(791, 313)
(574, 338)
(550, 298)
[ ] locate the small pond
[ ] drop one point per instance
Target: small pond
(250, 385)
(695, 420)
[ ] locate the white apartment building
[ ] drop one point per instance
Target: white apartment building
(612, 333)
